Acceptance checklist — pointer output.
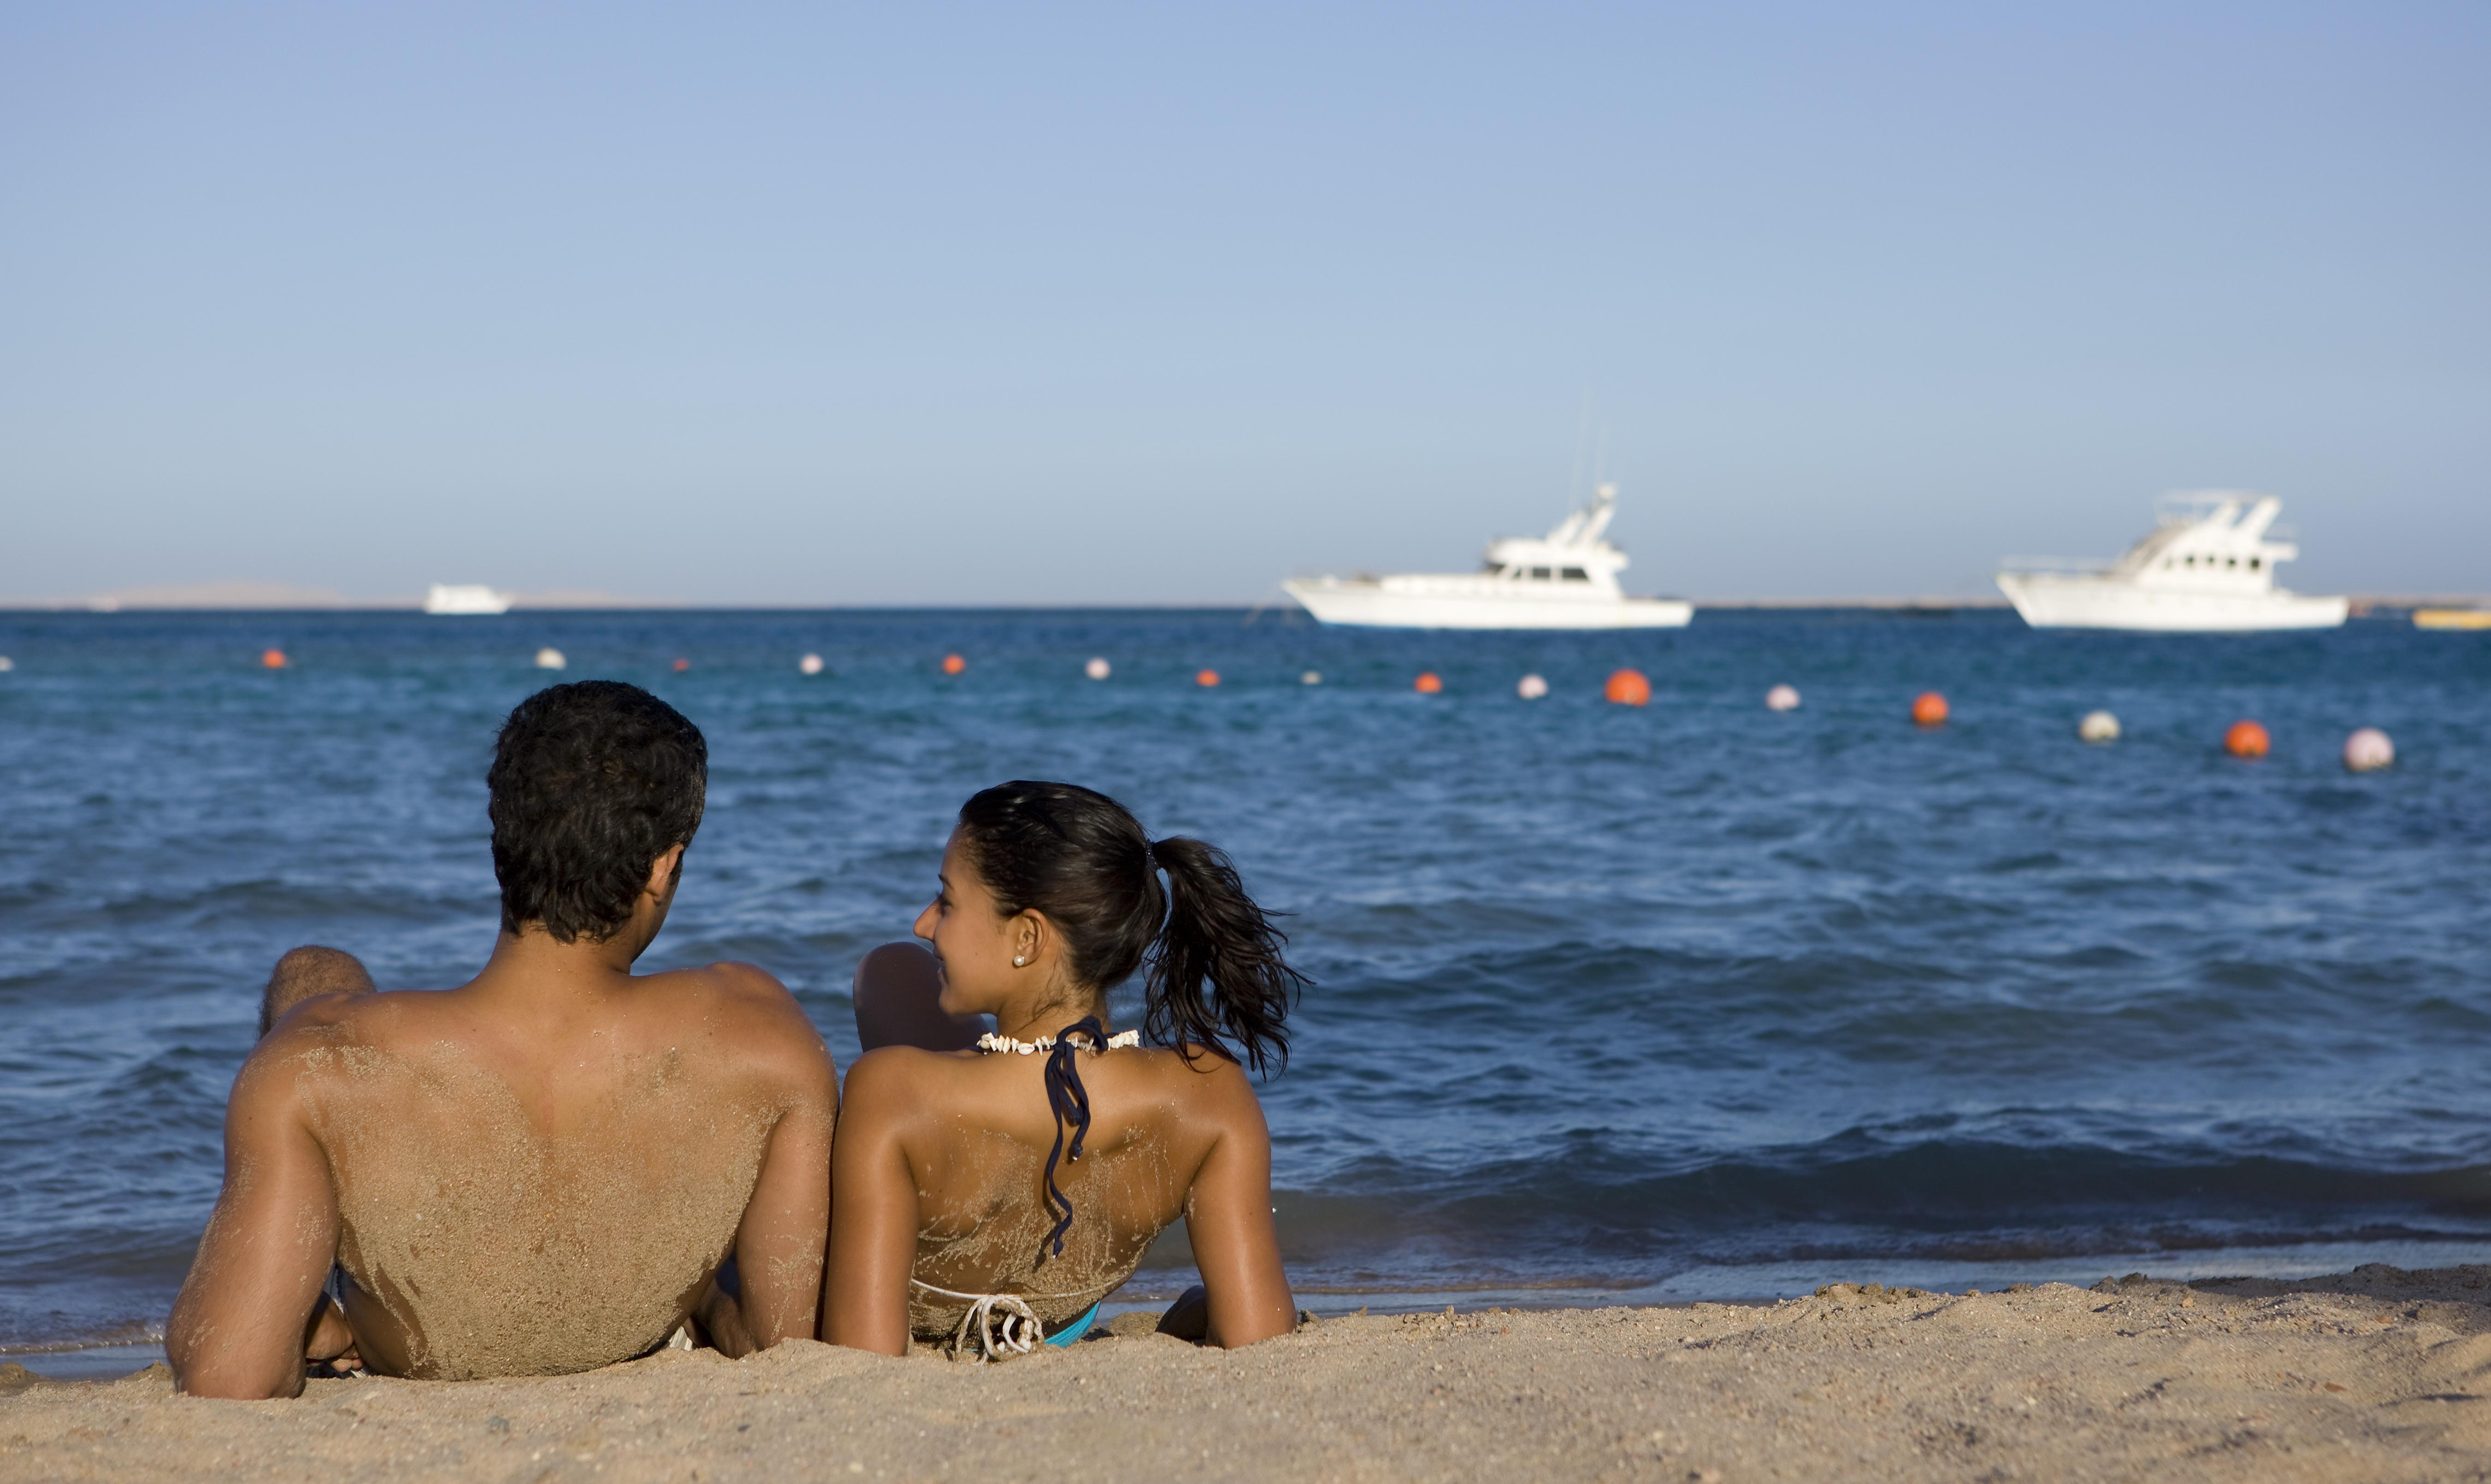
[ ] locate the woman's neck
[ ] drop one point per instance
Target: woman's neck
(1036, 1022)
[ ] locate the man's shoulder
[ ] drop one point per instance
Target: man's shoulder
(335, 1021)
(324, 1036)
(737, 990)
(746, 1007)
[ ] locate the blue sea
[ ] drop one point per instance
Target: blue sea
(1695, 1000)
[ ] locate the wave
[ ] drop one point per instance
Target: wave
(1600, 1217)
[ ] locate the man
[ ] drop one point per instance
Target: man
(543, 1170)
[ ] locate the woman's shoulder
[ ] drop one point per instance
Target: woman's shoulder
(1203, 1081)
(890, 1064)
(896, 1078)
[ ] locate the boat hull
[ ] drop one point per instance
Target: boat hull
(1370, 605)
(2050, 602)
(465, 600)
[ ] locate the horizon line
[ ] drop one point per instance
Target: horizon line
(672, 605)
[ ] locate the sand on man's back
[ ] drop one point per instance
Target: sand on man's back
(2378, 1375)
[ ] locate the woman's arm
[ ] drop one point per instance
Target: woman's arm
(1228, 1215)
(873, 1209)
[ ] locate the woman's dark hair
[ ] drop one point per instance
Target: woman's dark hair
(1080, 858)
(591, 783)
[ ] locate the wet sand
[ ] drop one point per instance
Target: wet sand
(2377, 1375)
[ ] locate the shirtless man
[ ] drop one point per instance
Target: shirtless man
(543, 1170)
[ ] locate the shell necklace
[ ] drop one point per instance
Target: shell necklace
(990, 1043)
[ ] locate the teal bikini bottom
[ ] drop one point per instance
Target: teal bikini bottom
(1074, 1331)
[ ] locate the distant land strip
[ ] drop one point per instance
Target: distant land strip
(274, 598)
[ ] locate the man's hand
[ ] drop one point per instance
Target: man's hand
(329, 1342)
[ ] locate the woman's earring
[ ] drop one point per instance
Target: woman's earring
(1019, 961)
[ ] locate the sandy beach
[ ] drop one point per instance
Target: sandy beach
(2376, 1374)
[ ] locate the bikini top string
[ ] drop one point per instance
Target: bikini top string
(1070, 1102)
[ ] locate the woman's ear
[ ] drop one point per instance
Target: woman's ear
(1029, 938)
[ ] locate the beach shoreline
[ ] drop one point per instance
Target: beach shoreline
(2380, 1373)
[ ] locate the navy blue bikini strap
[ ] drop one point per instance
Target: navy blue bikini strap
(1070, 1101)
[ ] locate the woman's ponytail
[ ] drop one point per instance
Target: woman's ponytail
(1216, 979)
(1215, 970)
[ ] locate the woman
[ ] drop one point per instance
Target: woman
(990, 1192)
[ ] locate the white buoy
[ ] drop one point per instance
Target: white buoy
(1531, 688)
(2369, 748)
(7, 664)
(1783, 698)
(1097, 669)
(549, 658)
(1312, 678)
(2098, 727)
(810, 664)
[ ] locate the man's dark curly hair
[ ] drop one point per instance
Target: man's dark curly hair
(590, 783)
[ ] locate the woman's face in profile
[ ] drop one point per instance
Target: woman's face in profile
(971, 942)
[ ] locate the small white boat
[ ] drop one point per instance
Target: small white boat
(465, 598)
(1567, 579)
(2208, 567)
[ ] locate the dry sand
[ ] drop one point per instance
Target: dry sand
(2378, 1375)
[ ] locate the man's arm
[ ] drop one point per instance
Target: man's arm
(778, 1247)
(873, 1211)
(1228, 1216)
(237, 1326)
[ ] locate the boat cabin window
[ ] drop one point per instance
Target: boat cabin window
(1492, 568)
(2253, 564)
(1540, 575)
(1575, 574)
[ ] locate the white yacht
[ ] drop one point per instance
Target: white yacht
(2208, 567)
(465, 598)
(1567, 579)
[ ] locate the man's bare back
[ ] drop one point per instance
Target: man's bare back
(530, 1182)
(542, 1170)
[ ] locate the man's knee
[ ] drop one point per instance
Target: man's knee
(896, 994)
(308, 972)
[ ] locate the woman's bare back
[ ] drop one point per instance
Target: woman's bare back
(977, 1154)
(1049, 897)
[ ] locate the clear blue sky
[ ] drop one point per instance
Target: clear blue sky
(1160, 303)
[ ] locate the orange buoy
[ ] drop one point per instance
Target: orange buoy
(274, 660)
(1629, 688)
(2246, 738)
(954, 664)
(682, 664)
(1929, 709)
(1428, 682)
(1205, 678)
